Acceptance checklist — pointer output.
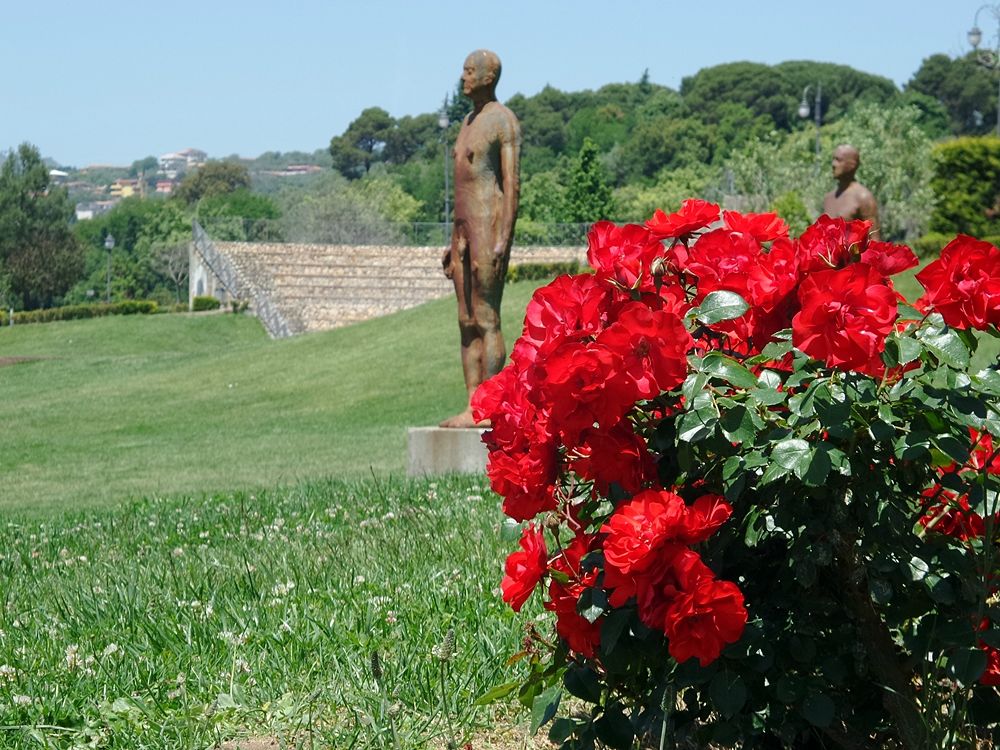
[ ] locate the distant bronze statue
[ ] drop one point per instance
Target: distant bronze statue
(851, 199)
(486, 194)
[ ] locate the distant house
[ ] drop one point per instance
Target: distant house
(58, 177)
(90, 209)
(177, 163)
(294, 170)
(124, 188)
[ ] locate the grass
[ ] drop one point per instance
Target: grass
(133, 406)
(181, 623)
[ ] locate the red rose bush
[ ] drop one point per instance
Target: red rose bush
(759, 488)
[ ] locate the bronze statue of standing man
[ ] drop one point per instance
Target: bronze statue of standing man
(850, 199)
(486, 195)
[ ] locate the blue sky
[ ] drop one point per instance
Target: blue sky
(112, 81)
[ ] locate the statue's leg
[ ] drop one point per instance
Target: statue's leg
(487, 296)
(463, 276)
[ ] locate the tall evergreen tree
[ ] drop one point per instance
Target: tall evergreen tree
(39, 256)
(588, 197)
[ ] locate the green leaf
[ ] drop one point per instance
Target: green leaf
(967, 664)
(612, 628)
(768, 396)
(614, 729)
(947, 346)
(918, 568)
(694, 383)
(909, 350)
(819, 467)
(728, 692)
(951, 446)
(510, 530)
(793, 455)
(496, 693)
(544, 707)
(561, 730)
(988, 380)
(721, 366)
(738, 426)
(818, 709)
(583, 683)
(720, 305)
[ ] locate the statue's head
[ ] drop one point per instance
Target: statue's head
(845, 161)
(480, 72)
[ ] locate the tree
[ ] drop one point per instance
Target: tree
(138, 226)
(588, 198)
(761, 88)
(967, 184)
(39, 256)
(213, 178)
(362, 144)
(665, 142)
(239, 215)
(967, 91)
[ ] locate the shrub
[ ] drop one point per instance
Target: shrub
(967, 184)
(204, 303)
(536, 271)
(81, 312)
(931, 244)
(762, 492)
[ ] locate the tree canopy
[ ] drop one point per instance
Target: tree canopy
(39, 256)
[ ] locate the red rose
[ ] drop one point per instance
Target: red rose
(704, 616)
(639, 527)
(832, 243)
(991, 676)
(571, 307)
(653, 345)
(889, 259)
(964, 284)
(951, 515)
(762, 227)
(623, 255)
(582, 385)
(525, 568)
(704, 517)
(695, 214)
(845, 317)
(617, 455)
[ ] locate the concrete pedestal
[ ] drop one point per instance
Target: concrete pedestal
(436, 450)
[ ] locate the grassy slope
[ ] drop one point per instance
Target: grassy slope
(175, 403)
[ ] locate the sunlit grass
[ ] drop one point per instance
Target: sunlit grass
(179, 623)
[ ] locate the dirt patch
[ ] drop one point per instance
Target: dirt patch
(254, 743)
(6, 361)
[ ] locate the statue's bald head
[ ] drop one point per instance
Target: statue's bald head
(486, 65)
(849, 154)
(846, 160)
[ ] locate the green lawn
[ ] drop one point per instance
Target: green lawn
(180, 623)
(160, 405)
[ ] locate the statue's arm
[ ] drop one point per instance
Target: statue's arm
(510, 155)
(868, 210)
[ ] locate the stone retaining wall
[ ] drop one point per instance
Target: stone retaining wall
(318, 287)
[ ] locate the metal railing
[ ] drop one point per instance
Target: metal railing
(274, 322)
(410, 234)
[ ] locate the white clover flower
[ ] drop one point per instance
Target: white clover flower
(177, 552)
(72, 657)
(21, 700)
(7, 673)
(110, 650)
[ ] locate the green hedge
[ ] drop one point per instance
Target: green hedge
(966, 184)
(81, 312)
(537, 271)
(929, 246)
(201, 304)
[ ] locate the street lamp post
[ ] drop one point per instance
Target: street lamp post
(109, 245)
(817, 111)
(988, 58)
(443, 122)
